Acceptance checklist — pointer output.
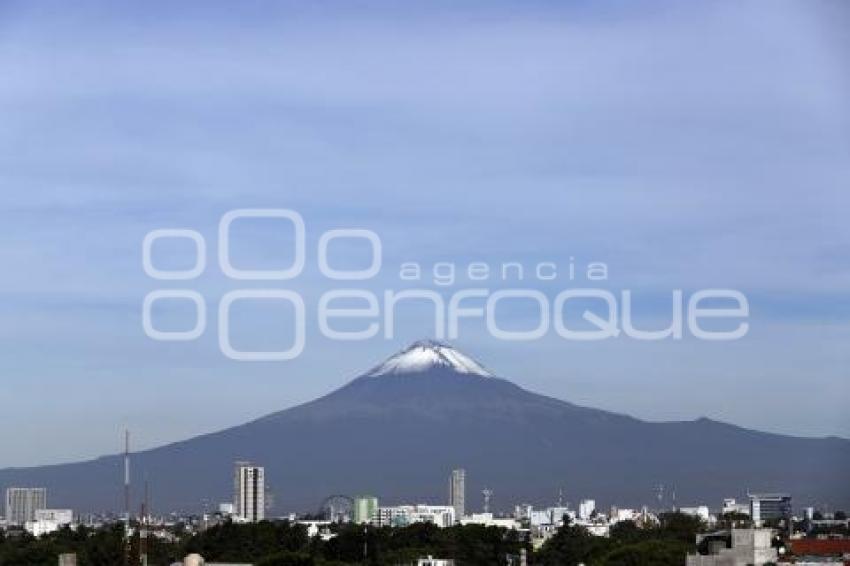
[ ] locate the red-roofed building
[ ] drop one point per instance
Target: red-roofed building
(822, 548)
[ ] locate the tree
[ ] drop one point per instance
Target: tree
(655, 552)
(627, 532)
(570, 546)
(287, 559)
(681, 527)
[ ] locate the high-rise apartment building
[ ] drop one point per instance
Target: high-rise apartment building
(249, 492)
(23, 502)
(365, 509)
(457, 492)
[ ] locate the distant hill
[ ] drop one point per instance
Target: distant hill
(397, 431)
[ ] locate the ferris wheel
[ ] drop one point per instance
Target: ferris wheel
(337, 509)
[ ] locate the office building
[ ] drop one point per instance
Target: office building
(23, 502)
(249, 492)
(769, 507)
(457, 492)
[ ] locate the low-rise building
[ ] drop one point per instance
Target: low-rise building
(731, 505)
(618, 515)
(700, 511)
(488, 520)
(820, 551)
(403, 515)
(735, 547)
(321, 528)
(597, 527)
(48, 521)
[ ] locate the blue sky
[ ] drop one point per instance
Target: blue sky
(687, 146)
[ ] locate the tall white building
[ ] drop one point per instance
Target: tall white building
(586, 509)
(23, 502)
(249, 492)
(457, 492)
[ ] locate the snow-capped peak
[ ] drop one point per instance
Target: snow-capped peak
(427, 354)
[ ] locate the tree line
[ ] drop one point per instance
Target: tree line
(281, 543)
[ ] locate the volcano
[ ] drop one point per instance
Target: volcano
(398, 430)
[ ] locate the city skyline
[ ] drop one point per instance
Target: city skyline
(25, 504)
(434, 408)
